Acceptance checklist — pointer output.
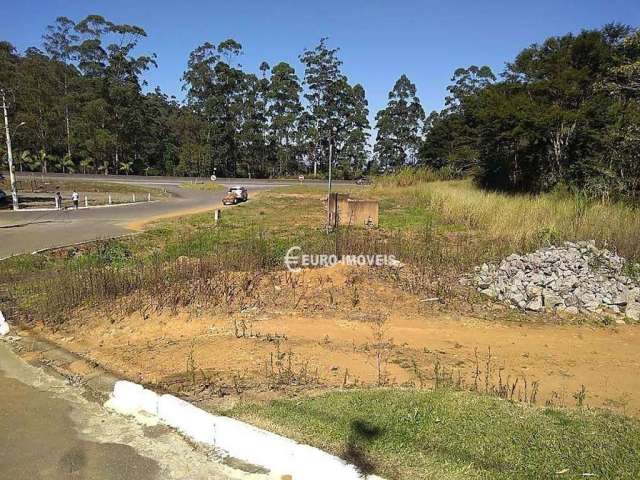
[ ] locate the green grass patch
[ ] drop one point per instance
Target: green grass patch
(442, 228)
(52, 185)
(205, 187)
(456, 435)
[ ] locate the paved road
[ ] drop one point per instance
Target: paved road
(49, 431)
(26, 232)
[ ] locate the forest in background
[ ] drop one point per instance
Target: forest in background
(565, 112)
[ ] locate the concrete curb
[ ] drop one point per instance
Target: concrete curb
(76, 244)
(83, 208)
(69, 245)
(232, 437)
(4, 326)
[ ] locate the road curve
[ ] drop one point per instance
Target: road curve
(26, 232)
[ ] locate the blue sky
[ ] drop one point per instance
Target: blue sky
(379, 40)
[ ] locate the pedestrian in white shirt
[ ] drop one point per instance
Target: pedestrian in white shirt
(75, 197)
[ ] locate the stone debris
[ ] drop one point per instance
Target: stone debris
(576, 277)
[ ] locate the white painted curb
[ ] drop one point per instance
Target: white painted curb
(237, 439)
(70, 209)
(4, 326)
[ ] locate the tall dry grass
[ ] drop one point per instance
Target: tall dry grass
(459, 226)
(525, 222)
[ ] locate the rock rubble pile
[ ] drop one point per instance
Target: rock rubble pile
(576, 277)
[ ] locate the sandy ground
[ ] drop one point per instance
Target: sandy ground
(388, 335)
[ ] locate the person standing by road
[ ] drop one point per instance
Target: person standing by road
(58, 200)
(75, 197)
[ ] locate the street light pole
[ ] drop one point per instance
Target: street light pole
(14, 191)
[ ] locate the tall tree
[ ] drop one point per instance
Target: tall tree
(351, 138)
(215, 90)
(284, 109)
(451, 136)
(59, 42)
(399, 126)
(543, 124)
(337, 112)
(321, 76)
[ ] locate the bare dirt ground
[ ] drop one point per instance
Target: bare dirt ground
(349, 328)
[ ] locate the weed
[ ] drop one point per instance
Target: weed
(281, 371)
(580, 396)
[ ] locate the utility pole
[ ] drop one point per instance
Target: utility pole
(331, 132)
(14, 191)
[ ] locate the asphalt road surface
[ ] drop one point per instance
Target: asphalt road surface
(50, 431)
(26, 232)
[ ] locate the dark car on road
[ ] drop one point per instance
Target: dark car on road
(3, 197)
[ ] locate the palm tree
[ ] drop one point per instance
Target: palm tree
(25, 157)
(67, 164)
(33, 162)
(104, 167)
(126, 167)
(43, 157)
(87, 163)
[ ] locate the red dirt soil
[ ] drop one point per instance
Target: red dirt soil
(340, 343)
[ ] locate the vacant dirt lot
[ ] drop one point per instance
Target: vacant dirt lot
(350, 329)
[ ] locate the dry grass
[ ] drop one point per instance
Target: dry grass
(440, 229)
(524, 222)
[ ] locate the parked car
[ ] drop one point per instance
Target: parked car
(236, 194)
(3, 198)
(363, 181)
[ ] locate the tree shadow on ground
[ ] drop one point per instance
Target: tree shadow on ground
(361, 434)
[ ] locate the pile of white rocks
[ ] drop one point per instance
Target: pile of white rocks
(576, 277)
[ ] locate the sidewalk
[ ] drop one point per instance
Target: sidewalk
(53, 423)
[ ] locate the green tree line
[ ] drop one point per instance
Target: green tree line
(80, 104)
(565, 112)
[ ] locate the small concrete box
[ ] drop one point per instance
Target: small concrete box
(347, 211)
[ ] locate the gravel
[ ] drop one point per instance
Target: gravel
(575, 277)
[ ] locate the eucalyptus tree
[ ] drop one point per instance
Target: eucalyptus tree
(215, 91)
(59, 41)
(322, 71)
(36, 99)
(105, 54)
(252, 135)
(399, 126)
(284, 109)
(337, 111)
(353, 154)
(451, 136)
